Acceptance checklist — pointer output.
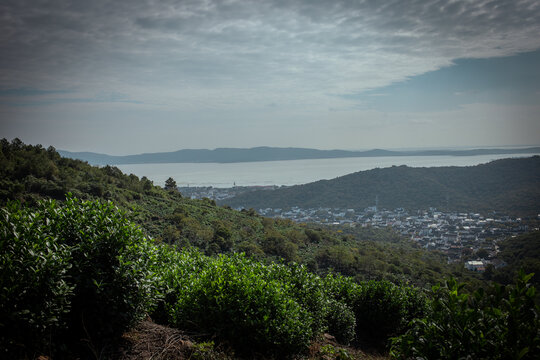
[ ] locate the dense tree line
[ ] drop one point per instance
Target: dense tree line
(519, 253)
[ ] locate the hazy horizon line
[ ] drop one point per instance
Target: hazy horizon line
(421, 148)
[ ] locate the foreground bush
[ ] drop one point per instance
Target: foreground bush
(80, 267)
(174, 276)
(35, 295)
(381, 308)
(501, 323)
(341, 322)
(234, 298)
(307, 289)
(384, 309)
(112, 263)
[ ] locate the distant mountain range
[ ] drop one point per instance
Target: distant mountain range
(511, 186)
(233, 155)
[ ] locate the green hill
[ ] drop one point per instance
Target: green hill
(29, 173)
(508, 185)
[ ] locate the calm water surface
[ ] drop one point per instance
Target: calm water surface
(290, 172)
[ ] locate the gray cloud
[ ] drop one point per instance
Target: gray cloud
(257, 41)
(222, 55)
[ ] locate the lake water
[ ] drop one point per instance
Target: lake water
(290, 172)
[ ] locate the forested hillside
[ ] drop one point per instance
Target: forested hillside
(29, 173)
(510, 186)
(520, 252)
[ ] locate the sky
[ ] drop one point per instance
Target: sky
(127, 77)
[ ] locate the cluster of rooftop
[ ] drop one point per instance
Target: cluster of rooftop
(461, 236)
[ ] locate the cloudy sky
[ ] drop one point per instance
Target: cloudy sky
(124, 77)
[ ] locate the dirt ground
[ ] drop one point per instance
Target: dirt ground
(152, 341)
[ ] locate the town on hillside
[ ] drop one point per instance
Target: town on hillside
(463, 237)
(469, 238)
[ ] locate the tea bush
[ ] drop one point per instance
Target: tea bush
(307, 289)
(111, 263)
(501, 323)
(383, 309)
(82, 267)
(35, 292)
(175, 274)
(233, 298)
(341, 322)
(273, 308)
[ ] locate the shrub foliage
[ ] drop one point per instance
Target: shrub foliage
(238, 301)
(501, 323)
(35, 288)
(79, 270)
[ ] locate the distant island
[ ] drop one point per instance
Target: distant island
(263, 153)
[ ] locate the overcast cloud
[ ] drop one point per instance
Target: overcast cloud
(143, 76)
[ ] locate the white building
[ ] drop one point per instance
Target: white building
(475, 265)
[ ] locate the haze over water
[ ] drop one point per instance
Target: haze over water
(289, 172)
